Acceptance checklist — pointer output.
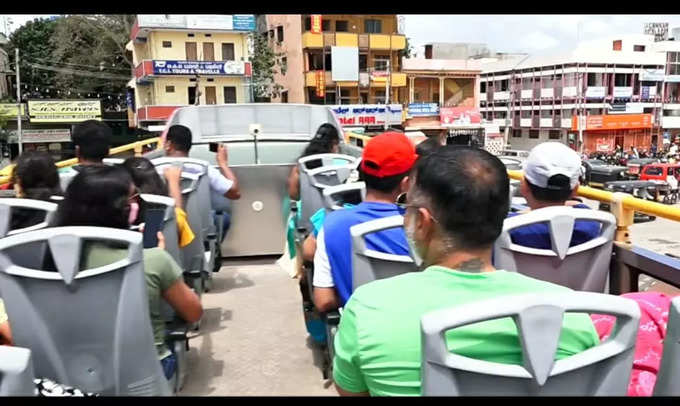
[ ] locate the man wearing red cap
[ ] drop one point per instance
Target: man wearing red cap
(386, 162)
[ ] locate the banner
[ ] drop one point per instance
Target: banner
(379, 76)
(10, 110)
(452, 116)
(423, 109)
(320, 83)
(64, 111)
(623, 92)
(615, 122)
(595, 92)
(604, 144)
(316, 24)
(199, 68)
(46, 136)
(653, 75)
(368, 114)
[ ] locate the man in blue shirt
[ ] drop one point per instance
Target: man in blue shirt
(386, 162)
(551, 178)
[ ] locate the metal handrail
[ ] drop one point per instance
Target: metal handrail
(135, 146)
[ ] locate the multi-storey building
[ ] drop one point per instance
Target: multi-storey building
(370, 44)
(183, 60)
(620, 91)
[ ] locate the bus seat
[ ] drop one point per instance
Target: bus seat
(16, 372)
(113, 161)
(336, 196)
(369, 265)
(669, 371)
(582, 267)
(28, 255)
(603, 370)
(99, 337)
(193, 254)
(313, 181)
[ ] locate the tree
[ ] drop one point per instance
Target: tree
(33, 41)
(265, 62)
(408, 51)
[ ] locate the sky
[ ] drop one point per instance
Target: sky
(504, 33)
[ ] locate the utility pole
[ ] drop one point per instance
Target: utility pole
(387, 94)
(16, 62)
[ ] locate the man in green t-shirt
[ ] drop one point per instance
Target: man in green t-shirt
(455, 207)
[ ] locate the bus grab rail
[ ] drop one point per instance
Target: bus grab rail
(136, 146)
(623, 205)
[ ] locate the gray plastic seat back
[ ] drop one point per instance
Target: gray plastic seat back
(313, 181)
(6, 206)
(603, 370)
(16, 372)
(334, 197)
(583, 267)
(369, 265)
(192, 206)
(669, 372)
(87, 328)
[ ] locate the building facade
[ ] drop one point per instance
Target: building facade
(356, 50)
(619, 91)
(184, 60)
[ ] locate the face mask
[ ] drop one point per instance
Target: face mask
(412, 249)
(134, 211)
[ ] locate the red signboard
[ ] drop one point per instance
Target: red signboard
(320, 83)
(316, 24)
(615, 122)
(450, 116)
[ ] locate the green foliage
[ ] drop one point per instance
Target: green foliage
(408, 51)
(265, 62)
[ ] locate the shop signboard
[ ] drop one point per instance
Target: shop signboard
(454, 116)
(320, 83)
(244, 22)
(615, 122)
(647, 92)
(652, 75)
(32, 136)
(673, 78)
(64, 111)
(595, 92)
(226, 22)
(316, 24)
(368, 114)
(10, 110)
(199, 68)
(423, 109)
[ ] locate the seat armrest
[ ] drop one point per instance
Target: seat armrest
(333, 318)
(177, 335)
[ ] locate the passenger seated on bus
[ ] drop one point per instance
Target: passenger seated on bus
(101, 197)
(325, 141)
(223, 182)
(551, 178)
(92, 140)
(5, 331)
(147, 180)
(386, 162)
(34, 177)
(454, 211)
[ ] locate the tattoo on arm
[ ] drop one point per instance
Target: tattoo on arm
(474, 265)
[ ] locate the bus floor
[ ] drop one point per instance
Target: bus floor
(253, 339)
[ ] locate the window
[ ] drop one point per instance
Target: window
(594, 79)
(167, 44)
(363, 62)
(380, 62)
(373, 26)
(638, 48)
(341, 26)
(211, 79)
(482, 87)
(622, 79)
(191, 35)
(504, 85)
(516, 133)
(345, 97)
(325, 25)
(330, 98)
(271, 34)
(554, 135)
(229, 95)
(192, 95)
(616, 46)
(169, 89)
(653, 170)
(315, 61)
(284, 96)
(312, 97)
(228, 52)
(329, 64)
(208, 35)
(284, 65)
(379, 97)
(279, 33)
(546, 113)
(533, 134)
(364, 97)
(308, 23)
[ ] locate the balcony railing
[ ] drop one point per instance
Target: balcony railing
(393, 42)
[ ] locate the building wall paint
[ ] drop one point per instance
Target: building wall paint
(294, 79)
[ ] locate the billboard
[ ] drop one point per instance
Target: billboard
(63, 111)
(199, 68)
(423, 109)
(453, 116)
(658, 30)
(226, 22)
(368, 114)
(46, 136)
(615, 122)
(654, 75)
(345, 64)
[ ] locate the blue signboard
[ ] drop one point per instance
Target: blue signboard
(198, 68)
(244, 22)
(423, 109)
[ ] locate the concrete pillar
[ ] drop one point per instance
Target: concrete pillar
(411, 89)
(441, 92)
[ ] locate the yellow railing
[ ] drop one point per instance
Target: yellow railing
(137, 147)
(623, 205)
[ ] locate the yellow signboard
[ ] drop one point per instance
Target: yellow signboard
(10, 110)
(64, 111)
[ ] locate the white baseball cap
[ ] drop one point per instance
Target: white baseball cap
(549, 159)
